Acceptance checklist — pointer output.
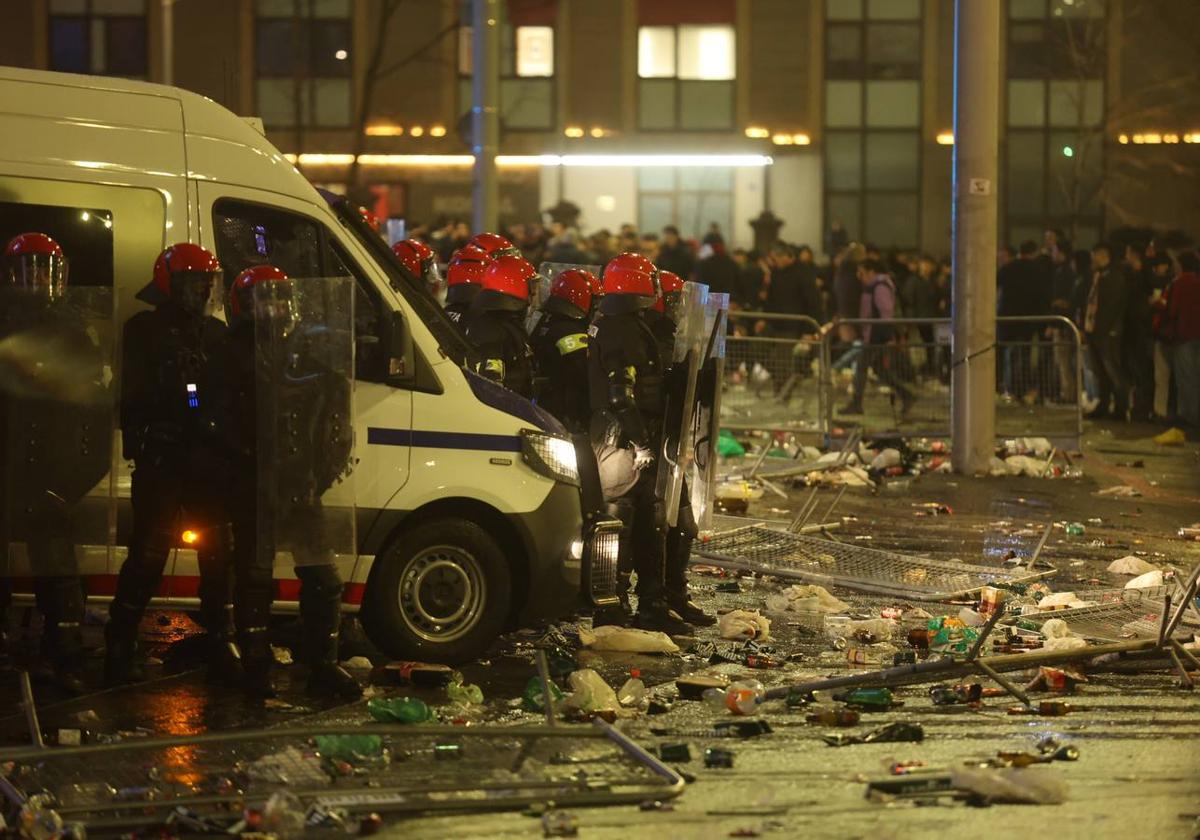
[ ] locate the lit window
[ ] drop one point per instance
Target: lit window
(687, 75)
(656, 52)
(535, 51)
(706, 52)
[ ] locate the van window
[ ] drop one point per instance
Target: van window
(84, 233)
(252, 234)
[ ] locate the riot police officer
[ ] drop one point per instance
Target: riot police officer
(291, 436)
(625, 380)
(464, 279)
(420, 261)
(559, 343)
(55, 416)
(662, 319)
(494, 245)
(170, 428)
(496, 324)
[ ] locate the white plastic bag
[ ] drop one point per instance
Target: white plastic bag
(1154, 578)
(1130, 564)
(626, 639)
(1029, 785)
(802, 597)
(740, 625)
(590, 693)
(886, 458)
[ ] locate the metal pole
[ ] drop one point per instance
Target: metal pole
(976, 149)
(168, 42)
(485, 113)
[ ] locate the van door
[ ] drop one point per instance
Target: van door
(244, 231)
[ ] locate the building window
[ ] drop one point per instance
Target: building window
(686, 76)
(103, 37)
(873, 119)
(694, 199)
(303, 62)
(526, 72)
(1054, 113)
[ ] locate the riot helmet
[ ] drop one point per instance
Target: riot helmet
(262, 295)
(184, 273)
(630, 284)
(670, 295)
(35, 264)
(508, 284)
(419, 260)
(464, 274)
(573, 294)
(495, 245)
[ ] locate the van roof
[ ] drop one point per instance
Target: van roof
(219, 145)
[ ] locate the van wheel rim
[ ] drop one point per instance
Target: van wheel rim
(442, 593)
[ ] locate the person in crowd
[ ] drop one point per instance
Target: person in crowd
(648, 246)
(789, 288)
(847, 291)
(1023, 289)
(559, 342)
(837, 238)
(716, 269)
(1183, 320)
(1103, 325)
(496, 324)
(919, 297)
(1062, 286)
(1138, 352)
(1165, 396)
(674, 254)
(878, 303)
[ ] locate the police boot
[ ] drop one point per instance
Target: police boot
(326, 678)
(619, 614)
(224, 663)
(63, 648)
(679, 549)
(257, 661)
(658, 616)
(120, 655)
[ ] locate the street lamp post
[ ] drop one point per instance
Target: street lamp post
(976, 149)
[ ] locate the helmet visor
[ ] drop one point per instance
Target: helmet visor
(193, 291)
(274, 307)
(44, 275)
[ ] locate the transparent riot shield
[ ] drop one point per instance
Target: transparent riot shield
(706, 423)
(548, 272)
(56, 427)
(676, 450)
(303, 395)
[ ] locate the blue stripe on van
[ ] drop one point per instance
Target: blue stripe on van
(442, 440)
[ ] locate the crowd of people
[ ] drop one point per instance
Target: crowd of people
(1135, 307)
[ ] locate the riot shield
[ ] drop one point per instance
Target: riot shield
(675, 452)
(303, 394)
(56, 426)
(548, 272)
(706, 419)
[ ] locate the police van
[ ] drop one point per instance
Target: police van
(465, 499)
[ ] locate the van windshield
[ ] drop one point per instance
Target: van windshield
(449, 338)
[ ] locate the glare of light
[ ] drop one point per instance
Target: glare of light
(782, 140)
(416, 131)
(385, 130)
(1171, 138)
(108, 223)
(1152, 138)
(437, 131)
(1068, 151)
(1123, 139)
(85, 215)
(190, 537)
(576, 549)
(573, 131)
(634, 161)
(945, 138)
(341, 55)
(597, 131)
(801, 139)
(757, 132)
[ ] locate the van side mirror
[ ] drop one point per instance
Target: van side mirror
(401, 362)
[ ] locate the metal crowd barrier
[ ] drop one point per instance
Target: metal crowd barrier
(786, 373)
(772, 374)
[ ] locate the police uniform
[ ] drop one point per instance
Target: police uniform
(502, 347)
(625, 381)
(560, 346)
(171, 402)
(457, 312)
(56, 449)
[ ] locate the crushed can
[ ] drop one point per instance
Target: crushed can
(717, 757)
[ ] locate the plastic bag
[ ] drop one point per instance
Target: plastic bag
(810, 597)
(1024, 465)
(1154, 578)
(617, 475)
(744, 624)
(1130, 564)
(1059, 637)
(626, 639)
(1029, 785)
(590, 693)
(886, 458)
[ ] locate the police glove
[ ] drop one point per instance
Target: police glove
(642, 457)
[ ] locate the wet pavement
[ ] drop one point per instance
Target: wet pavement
(1138, 736)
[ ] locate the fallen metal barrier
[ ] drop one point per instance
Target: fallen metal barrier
(767, 551)
(194, 778)
(1122, 614)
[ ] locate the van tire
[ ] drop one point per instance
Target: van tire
(441, 569)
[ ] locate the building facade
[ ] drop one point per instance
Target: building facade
(687, 112)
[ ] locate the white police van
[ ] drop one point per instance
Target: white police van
(467, 498)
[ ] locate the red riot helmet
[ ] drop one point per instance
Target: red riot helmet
(495, 245)
(573, 293)
(420, 261)
(464, 274)
(35, 264)
(508, 284)
(630, 283)
(670, 287)
(262, 292)
(184, 273)
(370, 218)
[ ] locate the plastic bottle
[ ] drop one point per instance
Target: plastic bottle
(468, 694)
(348, 746)
(867, 698)
(633, 692)
(741, 698)
(833, 717)
(714, 699)
(398, 709)
(533, 699)
(1075, 529)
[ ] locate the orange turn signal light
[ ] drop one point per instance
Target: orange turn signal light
(190, 537)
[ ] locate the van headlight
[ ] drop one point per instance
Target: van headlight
(550, 455)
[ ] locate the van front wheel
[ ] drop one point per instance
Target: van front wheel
(441, 593)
